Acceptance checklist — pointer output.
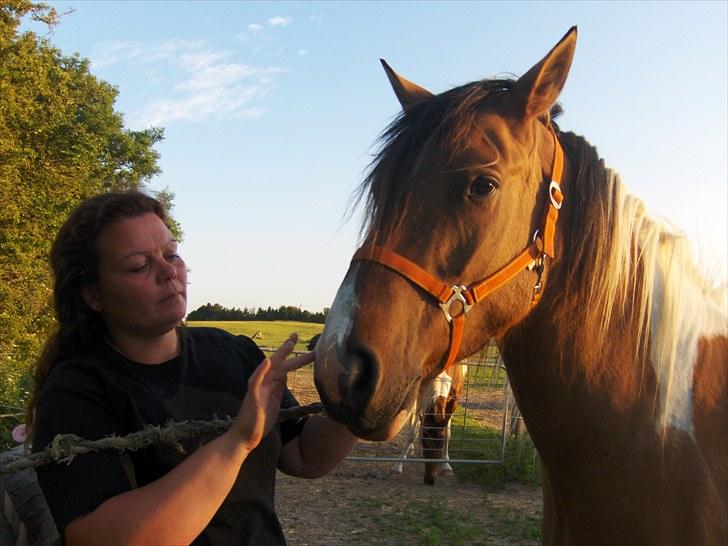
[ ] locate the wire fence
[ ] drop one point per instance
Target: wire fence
(480, 427)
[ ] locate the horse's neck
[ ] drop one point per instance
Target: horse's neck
(559, 389)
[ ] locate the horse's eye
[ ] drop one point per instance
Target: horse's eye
(481, 187)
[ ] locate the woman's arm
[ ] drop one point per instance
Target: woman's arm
(171, 510)
(177, 507)
(322, 445)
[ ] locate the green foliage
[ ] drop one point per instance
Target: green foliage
(520, 459)
(60, 141)
(513, 524)
(215, 311)
(427, 521)
(487, 377)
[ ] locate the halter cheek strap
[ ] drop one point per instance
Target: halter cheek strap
(464, 297)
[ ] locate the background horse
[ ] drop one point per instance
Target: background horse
(436, 424)
(615, 347)
(430, 420)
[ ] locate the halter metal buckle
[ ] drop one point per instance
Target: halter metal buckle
(538, 267)
(537, 240)
(457, 295)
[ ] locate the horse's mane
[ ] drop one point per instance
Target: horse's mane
(624, 266)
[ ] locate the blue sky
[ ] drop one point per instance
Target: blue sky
(272, 110)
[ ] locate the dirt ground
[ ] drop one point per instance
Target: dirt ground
(364, 504)
(339, 509)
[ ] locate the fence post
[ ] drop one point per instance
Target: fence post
(24, 497)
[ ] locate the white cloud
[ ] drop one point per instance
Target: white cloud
(216, 90)
(111, 53)
(254, 27)
(192, 82)
(279, 21)
(303, 52)
(317, 19)
(217, 103)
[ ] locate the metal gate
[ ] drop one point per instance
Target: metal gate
(480, 427)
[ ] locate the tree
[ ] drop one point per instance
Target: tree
(215, 311)
(60, 141)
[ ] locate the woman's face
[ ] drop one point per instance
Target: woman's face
(142, 288)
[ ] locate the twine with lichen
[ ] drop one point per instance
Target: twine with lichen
(65, 447)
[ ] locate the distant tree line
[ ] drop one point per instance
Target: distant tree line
(215, 311)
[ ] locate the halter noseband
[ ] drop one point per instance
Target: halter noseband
(531, 258)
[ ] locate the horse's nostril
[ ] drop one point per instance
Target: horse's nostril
(363, 373)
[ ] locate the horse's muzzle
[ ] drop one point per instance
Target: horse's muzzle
(351, 392)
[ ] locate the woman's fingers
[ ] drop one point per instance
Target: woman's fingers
(256, 379)
(278, 359)
(295, 363)
(284, 350)
(260, 406)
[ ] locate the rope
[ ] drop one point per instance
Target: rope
(65, 447)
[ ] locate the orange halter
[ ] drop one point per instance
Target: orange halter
(531, 258)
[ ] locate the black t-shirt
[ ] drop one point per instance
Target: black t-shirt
(108, 394)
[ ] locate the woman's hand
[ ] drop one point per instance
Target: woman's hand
(259, 410)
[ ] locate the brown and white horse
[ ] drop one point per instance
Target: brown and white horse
(615, 347)
(430, 419)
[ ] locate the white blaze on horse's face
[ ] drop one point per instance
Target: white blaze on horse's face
(337, 329)
(344, 306)
(441, 385)
(347, 374)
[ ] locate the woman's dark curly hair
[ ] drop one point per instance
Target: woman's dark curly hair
(74, 262)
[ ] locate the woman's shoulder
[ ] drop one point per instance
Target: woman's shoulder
(211, 333)
(217, 338)
(73, 369)
(79, 375)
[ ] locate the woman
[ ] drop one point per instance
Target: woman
(120, 360)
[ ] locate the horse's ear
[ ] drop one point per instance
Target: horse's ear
(537, 90)
(407, 92)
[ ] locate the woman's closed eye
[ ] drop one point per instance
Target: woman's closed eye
(139, 268)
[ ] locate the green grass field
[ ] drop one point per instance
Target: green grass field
(273, 333)
(520, 461)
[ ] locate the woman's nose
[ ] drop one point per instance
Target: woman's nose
(167, 271)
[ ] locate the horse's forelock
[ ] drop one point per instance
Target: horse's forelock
(423, 135)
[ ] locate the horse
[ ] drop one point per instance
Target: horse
(436, 424)
(430, 419)
(479, 206)
(311, 345)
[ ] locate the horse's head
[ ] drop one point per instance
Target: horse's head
(457, 192)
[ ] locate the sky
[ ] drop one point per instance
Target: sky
(272, 111)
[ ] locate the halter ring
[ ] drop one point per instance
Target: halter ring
(457, 295)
